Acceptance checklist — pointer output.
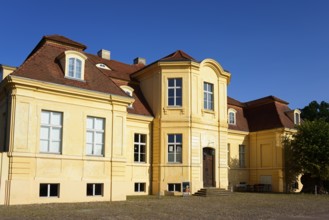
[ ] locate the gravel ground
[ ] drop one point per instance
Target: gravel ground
(234, 206)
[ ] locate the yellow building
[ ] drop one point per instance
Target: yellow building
(77, 127)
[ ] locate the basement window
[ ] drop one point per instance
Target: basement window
(139, 187)
(49, 190)
(94, 189)
(174, 187)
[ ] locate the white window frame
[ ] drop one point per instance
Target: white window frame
(75, 68)
(51, 127)
(93, 185)
(175, 148)
(297, 117)
(64, 60)
(95, 131)
(129, 91)
(139, 145)
(232, 120)
(175, 88)
(242, 156)
(140, 187)
(174, 186)
(208, 96)
(49, 185)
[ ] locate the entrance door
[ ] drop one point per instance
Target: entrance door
(208, 167)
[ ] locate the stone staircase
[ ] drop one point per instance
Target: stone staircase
(211, 191)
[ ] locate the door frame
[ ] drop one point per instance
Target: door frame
(209, 151)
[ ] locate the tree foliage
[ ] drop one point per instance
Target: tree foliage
(316, 111)
(307, 151)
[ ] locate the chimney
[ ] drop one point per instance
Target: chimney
(105, 54)
(140, 60)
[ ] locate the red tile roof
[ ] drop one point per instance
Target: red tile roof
(262, 114)
(179, 55)
(42, 64)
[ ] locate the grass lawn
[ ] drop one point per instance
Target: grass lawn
(234, 206)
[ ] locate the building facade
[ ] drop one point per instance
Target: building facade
(81, 127)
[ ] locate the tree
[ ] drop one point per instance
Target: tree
(316, 111)
(307, 152)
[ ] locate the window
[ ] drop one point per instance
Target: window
(139, 187)
(297, 118)
(95, 136)
(175, 148)
(139, 147)
(208, 96)
(174, 187)
(73, 64)
(242, 162)
(232, 116)
(94, 189)
(175, 92)
(49, 190)
(75, 67)
(51, 132)
(129, 91)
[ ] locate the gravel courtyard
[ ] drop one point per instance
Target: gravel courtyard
(234, 206)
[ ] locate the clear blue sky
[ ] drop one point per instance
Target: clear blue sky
(271, 47)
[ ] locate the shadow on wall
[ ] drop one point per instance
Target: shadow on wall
(237, 174)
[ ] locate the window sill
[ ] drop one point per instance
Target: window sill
(77, 79)
(93, 155)
(208, 111)
(173, 108)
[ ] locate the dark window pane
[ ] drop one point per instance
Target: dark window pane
(177, 187)
(143, 138)
(136, 138)
(136, 157)
(142, 158)
(171, 101)
(171, 92)
(98, 189)
(171, 138)
(54, 189)
(142, 187)
(178, 101)
(142, 148)
(171, 82)
(136, 187)
(89, 189)
(170, 187)
(178, 92)
(178, 138)
(43, 190)
(178, 82)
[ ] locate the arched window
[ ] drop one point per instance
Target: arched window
(297, 117)
(73, 64)
(129, 91)
(232, 116)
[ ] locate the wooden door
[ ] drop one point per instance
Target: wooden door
(208, 167)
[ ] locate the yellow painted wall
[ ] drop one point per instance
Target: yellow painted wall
(237, 174)
(72, 169)
(200, 128)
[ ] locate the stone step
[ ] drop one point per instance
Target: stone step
(205, 192)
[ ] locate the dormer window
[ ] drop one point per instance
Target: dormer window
(73, 64)
(129, 91)
(297, 117)
(232, 116)
(102, 66)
